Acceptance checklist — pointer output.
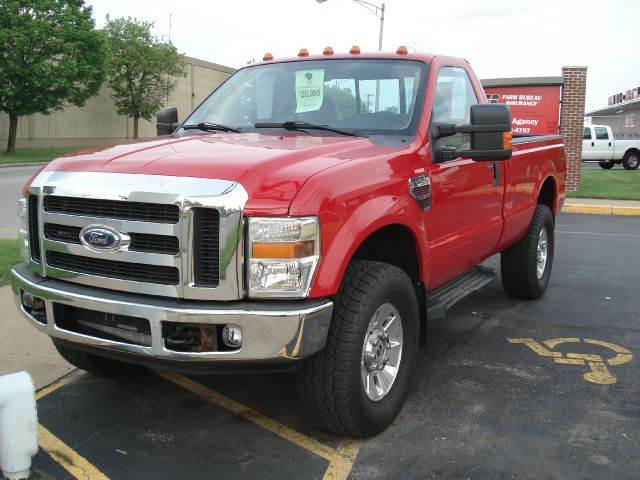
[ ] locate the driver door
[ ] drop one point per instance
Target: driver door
(464, 223)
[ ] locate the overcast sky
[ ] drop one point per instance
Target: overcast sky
(501, 38)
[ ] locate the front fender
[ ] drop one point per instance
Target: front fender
(342, 236)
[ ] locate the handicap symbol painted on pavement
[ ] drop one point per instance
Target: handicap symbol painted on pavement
(599, 373)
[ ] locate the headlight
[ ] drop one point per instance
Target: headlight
(282, 256)
(23, 232)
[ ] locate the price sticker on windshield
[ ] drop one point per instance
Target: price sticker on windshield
(309, 90)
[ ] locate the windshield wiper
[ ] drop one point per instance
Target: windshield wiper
(208, 127)
(302, 126)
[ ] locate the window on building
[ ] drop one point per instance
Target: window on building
(601, 133)
(630, 120)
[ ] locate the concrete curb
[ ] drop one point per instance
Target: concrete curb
(9, 165)
(601, 209)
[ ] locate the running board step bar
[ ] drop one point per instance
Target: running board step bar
(446, 296)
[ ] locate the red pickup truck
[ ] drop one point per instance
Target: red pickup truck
(313, 213)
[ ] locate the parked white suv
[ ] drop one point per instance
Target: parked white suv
(599, 145)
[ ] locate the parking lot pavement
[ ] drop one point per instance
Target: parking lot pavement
(542, 389)
(25, 348)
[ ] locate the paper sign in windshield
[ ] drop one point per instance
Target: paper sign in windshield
(309, 90)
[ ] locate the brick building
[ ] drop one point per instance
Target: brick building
(570, 99)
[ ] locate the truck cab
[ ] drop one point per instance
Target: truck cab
(314, 214)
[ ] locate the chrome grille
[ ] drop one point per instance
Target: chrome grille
(140, 242)
(142, 212)
(32, 212)
(109, 268)
(206, 227)
(185, 233)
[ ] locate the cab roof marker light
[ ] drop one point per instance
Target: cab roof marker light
(303, 52)
(355, 50)
(402, 50)
(267, 57)
(327, 51)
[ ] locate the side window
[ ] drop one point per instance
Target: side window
(587, 134)
(453, 98)
(601, 133)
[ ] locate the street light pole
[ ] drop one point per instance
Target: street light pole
(381, 27)
(378, 11)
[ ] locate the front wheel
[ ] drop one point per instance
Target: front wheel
(359, 382)
(607, 165)
(526, 266)
(631, 161)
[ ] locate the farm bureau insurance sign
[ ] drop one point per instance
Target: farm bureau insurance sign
(535, 110)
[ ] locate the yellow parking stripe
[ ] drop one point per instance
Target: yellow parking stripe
(247, 413)
(341, 460)
(68, 458)
(61, 382)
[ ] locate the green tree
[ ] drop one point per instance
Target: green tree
(345, 99)
(141, 68)
(50, 56)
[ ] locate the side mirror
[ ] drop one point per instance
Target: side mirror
(490, 130)
(167, 121)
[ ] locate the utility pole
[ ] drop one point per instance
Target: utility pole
(368, 95)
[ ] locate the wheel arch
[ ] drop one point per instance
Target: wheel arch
(631, 151)
(548, 194)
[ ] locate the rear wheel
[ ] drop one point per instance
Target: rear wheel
(631, 160)
(526, 266)
(607, 165)
(359, 382)
(101, 366)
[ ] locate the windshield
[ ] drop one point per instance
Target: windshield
(363, 96)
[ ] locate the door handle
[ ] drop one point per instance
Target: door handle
(609, 143)
(593, 144)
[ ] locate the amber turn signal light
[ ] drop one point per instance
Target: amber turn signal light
(355, 50)
(506, 140)
(282, 249)
(402, 50)
(303, 52)
(267, 57)
(327, 51)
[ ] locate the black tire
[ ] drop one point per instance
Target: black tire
(518, 264)
(631, 161)
(607, 165)
(329, 387)
(104, 367)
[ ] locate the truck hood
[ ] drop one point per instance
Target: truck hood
(272, 168)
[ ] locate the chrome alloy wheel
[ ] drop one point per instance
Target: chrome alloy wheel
(381, 352)
(541, 253)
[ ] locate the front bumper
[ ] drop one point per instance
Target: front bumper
(272, 332)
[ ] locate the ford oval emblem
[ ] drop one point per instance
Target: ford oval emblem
(102, 239)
